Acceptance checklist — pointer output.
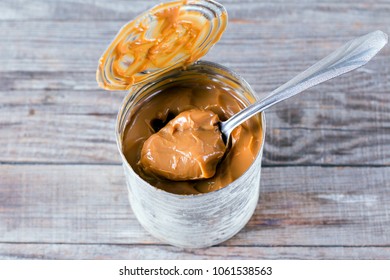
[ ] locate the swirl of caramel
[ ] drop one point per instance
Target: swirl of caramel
(167, 36)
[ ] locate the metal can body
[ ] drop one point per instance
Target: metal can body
(192, 221)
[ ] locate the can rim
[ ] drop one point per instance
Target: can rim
(129, 98)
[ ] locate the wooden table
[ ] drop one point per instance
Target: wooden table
(325, 183)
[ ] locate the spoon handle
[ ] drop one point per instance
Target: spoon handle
(350, 56)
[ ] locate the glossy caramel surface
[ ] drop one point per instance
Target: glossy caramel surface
(188, 147)
(155, 112)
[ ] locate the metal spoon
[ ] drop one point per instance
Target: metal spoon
(350, 56)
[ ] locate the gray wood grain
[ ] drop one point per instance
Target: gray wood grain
(58, 126)
(155, 252)
(343, 122)
(100, 10)
(77, 46)
(68, 126)
(310, 206)
(325, 190)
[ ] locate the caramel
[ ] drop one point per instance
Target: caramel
(153, 113)
(189, 147)
(167, 36)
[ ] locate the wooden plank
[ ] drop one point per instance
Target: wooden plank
(66, 10)
(52, 112)
(155, 252)
(269, 46)
(370, 79)
(100, 10)
(299, 206)
(76, 126)
(59, 127)
(342, 122)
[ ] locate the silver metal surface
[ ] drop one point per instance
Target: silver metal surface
(192, 221)
(350, 56)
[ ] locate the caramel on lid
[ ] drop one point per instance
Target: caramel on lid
(168, 36)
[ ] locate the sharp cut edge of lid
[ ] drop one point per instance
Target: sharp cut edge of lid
(209, 13)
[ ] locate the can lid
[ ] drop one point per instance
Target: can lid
(169, 35)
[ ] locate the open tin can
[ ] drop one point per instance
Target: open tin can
(132, 62)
